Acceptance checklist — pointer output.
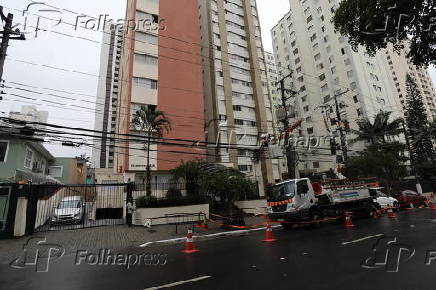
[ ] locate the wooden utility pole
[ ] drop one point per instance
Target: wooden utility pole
(6, 35)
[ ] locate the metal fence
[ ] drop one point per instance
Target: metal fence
(159, 190)
(63, 207)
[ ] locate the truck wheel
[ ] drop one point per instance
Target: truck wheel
(287, 226)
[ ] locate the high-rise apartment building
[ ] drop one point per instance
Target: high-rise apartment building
(325, 66)
(107, 117)
(399, 67)
(30, 114)
(161, 69)
(237, 103)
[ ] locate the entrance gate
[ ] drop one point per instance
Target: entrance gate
(68, 207)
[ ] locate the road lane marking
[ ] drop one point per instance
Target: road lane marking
(362, 239)
(179, 283)
(205, 237)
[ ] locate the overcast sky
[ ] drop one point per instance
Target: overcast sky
(72, 54)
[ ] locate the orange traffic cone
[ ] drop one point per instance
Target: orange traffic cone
(189, 244)
(269, 235)
(377, 214)
(391, 213)
(348, 221)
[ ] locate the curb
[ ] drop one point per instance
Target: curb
(205, 237)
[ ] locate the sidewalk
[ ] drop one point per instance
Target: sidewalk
(110, 237)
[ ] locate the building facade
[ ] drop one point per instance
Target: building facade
(237, 103)
(107, 115)
(399, 67)
(161, 69)
(30, 114)
(325, 68)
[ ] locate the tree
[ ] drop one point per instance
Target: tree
(383, 164)
(229, 185)
(418, 128)
(432, 129)
(153, 124)
(192, 173)
(376, 132)
(376, 23)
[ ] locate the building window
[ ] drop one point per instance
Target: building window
(28, 159)
(145, 83)
(143, 37)
(237, 108)
(55, 171)
(315, 164)
(146, 59)
(239, 122)
(245, 168)
(4, 150)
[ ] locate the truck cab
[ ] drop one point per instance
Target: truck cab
(291, 196)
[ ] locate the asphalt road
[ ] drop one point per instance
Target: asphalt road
(330, 257)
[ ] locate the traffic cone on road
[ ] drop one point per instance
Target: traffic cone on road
(348, 222)
(189, 244)
(391, 213)
(377, 214)
(269, 235)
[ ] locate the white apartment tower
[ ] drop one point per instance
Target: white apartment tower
(107, 116)
(238, 109)
(399, 67)
(324, 65)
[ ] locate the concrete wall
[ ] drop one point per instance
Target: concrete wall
(20, 217)
(255, 207)
(143, 214)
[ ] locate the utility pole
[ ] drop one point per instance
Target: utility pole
(6, 35)
(290, 152)
(341, 128)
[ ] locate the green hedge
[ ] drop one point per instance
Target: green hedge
(153, 202)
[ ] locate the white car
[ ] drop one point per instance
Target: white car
(386, 201)
(70, 209)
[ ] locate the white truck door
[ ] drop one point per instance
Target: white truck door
(305, 196)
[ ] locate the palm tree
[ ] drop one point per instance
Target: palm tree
(153, 124)
(377, 131)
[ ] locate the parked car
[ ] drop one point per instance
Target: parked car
(386, 201)
(410, 197)
(71, 209)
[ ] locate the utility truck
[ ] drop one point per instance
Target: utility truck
(300, 200)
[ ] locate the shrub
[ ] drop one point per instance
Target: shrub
(153, 202)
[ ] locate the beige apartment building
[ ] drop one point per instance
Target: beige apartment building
(238, 108)
(324, 66)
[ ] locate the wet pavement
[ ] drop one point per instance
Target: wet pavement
(329, 257)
